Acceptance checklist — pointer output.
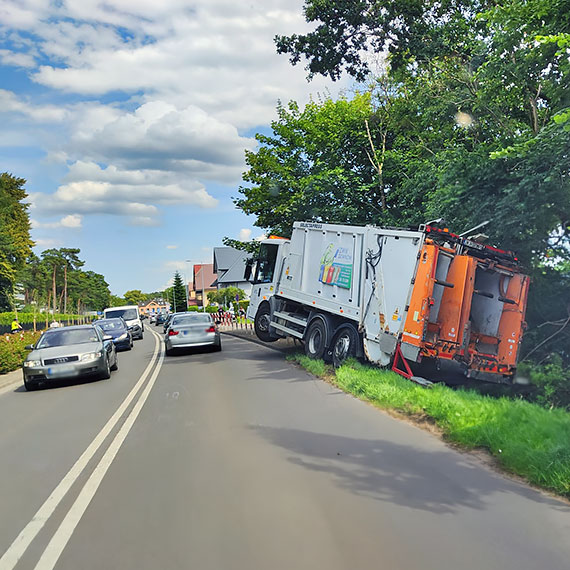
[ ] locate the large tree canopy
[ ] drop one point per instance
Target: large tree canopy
(15, 242)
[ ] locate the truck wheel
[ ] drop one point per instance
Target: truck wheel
(316, 339)
(261, 324)
(344, 345)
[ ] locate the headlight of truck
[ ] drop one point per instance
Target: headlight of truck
(90, 356)
(32, 363)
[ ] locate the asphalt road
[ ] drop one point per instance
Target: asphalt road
(238, 460)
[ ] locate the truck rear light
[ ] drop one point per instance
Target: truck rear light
(172, 333)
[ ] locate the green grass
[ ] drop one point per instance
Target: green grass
(526, 439)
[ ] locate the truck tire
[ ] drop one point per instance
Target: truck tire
(261, 324)
(344, 345)
(316, 339)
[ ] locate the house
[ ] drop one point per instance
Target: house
(154, 307)
(203, 279)
(229, 266)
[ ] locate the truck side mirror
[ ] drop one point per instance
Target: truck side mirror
(248, 266)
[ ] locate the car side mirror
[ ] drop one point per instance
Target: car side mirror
(29, 347)
(218, 322)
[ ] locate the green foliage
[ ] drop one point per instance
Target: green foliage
(553, 379)
(15, 241)
(12, 351)
(41, 318)
(524, 438)
(226, 296)
(178, 294)
(134, 297)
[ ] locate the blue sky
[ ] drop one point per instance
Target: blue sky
(129, 120)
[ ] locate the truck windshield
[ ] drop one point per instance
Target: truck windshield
(266, 263)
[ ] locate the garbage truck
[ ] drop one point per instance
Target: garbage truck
(424, 301)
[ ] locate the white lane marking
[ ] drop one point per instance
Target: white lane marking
(61, 537)
(31, 530)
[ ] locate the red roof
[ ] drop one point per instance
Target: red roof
(204, 276)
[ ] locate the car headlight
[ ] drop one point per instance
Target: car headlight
(90, 356)
(32, 363)
(123, 336)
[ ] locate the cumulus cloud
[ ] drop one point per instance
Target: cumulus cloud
(244, 234)
(11, 103)
(157, 135)
(90, 189)
(178, 84)
(72, 221)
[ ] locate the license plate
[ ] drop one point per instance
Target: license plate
(58, 371)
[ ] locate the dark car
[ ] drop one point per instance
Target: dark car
(118, 329)
(68, 353)
(160, 318)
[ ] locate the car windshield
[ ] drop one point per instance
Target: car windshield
(111, 324)
(127, 314)
(65, 337)
(191, 319)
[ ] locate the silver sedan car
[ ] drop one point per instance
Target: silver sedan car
(189, 330)
(69, 352)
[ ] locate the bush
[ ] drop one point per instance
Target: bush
(24, 318)
(12, 351)
(553, 380)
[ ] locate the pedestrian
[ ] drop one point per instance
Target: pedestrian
(16, 326)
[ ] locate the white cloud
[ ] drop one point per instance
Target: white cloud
(73, 221)
(244, 234)
(11, 103)
(90, 189)
(171, 247)
(45, 243)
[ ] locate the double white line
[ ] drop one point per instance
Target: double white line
(61, 537)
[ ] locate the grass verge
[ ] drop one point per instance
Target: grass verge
(525, 439)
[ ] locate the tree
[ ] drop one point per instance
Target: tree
(315, 167)
(15, 242)
(178, 296)
(226, 296)
(134, 297)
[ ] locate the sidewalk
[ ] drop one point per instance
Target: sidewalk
(11, 378)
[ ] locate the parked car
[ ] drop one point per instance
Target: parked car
(118, 329)
(189, 330)
(69, 352)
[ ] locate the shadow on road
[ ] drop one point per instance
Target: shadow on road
(439, 482)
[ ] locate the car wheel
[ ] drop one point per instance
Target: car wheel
(30, 386)
(169, 352)
(107, 372)
(116, 365)
(344, 345)
(217, 347)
